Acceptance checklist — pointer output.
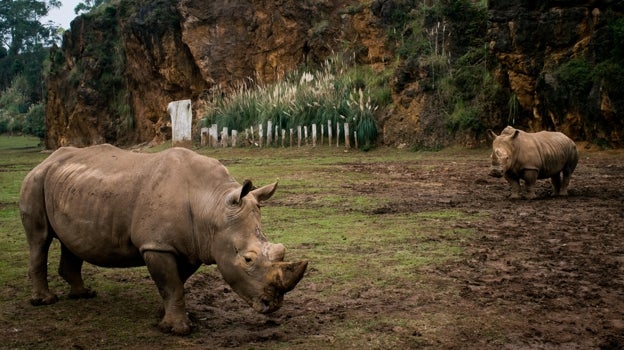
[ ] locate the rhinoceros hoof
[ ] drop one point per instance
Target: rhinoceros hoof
(43, 300)
(87, 293)
(180, 328)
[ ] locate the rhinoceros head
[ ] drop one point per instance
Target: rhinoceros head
(251, 265)
(503, 148)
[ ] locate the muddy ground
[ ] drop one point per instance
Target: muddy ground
(540, 274)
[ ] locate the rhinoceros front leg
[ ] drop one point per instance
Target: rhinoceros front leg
(163, 268)
(530, 178)
(515, 186)
(70, 268)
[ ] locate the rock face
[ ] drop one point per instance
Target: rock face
(551, 54)
(118, 68)
(168, 50)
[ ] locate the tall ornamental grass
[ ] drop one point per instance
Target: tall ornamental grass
(335, 92)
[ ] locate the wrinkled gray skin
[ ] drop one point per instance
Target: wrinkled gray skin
(518, 155)
(171, 211)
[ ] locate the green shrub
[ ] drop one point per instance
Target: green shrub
(34, 123)
(617, 31)
(612, 74)
(464, 118)
(576, 77)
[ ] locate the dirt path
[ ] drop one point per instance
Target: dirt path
(541, 274)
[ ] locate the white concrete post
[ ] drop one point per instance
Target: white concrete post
(213, 136)
(234, 137)
(260, 132)
(305, 134)
(329, 132)
(181, 120)
(337, 134)
(269, 132)
(224, 137)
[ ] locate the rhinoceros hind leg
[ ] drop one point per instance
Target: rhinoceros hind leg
(70, 268)
(567, 173)
(39, 240)
(163, 268)
(556, 184)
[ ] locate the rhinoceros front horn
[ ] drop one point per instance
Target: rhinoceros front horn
(288, 275)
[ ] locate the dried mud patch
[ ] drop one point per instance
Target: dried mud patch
(540, 274)
(551, 270)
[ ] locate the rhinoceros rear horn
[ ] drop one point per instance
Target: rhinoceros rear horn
(288, 275)
(275, 252)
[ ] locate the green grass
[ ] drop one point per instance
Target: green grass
(321, 212)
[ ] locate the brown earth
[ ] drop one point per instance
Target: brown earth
(541, 274)
(547, 273)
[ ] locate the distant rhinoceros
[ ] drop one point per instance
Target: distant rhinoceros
(171, 211)
(531, 156)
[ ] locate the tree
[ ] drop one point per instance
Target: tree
(88, 5)
(20, 24)
(23, 37)
(24, 43)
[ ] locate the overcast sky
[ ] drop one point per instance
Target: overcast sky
(64, 15)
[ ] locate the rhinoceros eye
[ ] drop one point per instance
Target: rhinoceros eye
(249, 257)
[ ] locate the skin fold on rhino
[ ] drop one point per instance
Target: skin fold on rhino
(518, 155)
(171, 211)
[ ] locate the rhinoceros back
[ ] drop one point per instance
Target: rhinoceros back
(104, 203)
(554, 151)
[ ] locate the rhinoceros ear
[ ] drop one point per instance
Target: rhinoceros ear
(247, 187)
(265, 192)
(236, 197)
(491, 134)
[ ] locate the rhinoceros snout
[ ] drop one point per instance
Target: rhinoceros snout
(496, 172)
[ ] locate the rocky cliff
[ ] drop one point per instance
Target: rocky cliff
(121, 65)
(149, 53)
(558, 60)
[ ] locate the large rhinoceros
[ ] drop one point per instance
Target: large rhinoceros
(171, 211)
(531, 156)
